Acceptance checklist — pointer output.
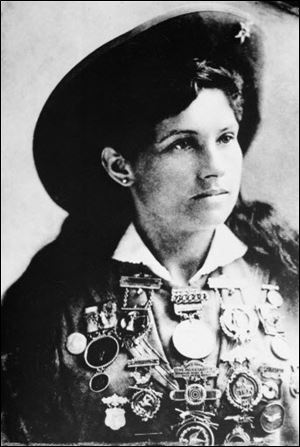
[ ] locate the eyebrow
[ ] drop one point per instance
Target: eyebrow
(177, 132)
(192, 132)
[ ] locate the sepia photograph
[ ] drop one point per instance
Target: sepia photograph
(150, 223)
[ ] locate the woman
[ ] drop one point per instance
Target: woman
(156, 314)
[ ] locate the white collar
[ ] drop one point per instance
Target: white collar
(225, 248)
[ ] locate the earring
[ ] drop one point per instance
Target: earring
(125, 181)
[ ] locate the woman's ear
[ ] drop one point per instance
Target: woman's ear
(117, 167)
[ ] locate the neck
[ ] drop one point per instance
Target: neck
(181, 252)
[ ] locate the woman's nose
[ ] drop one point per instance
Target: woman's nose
(211, 162)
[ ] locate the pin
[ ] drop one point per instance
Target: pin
(194, 339)
(145, 403)
(108, 315)
(115, 414)
(195, 431)
(92, 320)
(294, 381)
(280, 348)
(101, 351)
(270, 390)
(244, 390)
(76, 343)
(272, 417)
(237, 436)
(239, 323)
(140, 281)
(133, 324)
(270, 319)
(195, 370)
(99, 382)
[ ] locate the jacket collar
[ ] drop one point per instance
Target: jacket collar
(225, 248)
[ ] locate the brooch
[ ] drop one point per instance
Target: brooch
(115, 414)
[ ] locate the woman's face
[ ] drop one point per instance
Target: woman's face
(189, 178)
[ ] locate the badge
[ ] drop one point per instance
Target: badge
(142, 369)
(195, 370)
(76, 343)
(99, 382)
(115, 415)
(239, 323)
(194, 339)
(145, 403)
(280, 348)
(270, 319)
(294, 381)
(273, 296)
(237, 436)
(188, 295)
(134, 323)
(272, 417)
(243, 390)
(101, 351)
(108, 315)
(92, 319)
(270, 390)
(138, 284)
(195, 432)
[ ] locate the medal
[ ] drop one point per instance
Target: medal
(280, 347)
(101, 351)
(194, 339)
(272, 295)
(92, 320)
(145, 403)
(294, 381)
(270, 319)
(272, 417)
(239, 323)
(237, 436)
(196, 428)
(134, 323)
(195, 433)
(107, 316)
(76, 343)
(243, 390)
(99, 382)
(271, 382)
(143, 375)
(137, 285)
(115, 414)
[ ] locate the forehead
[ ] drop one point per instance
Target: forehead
(209, 111)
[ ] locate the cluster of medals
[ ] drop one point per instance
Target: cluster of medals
(253, 396)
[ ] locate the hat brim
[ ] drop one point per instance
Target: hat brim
(69, 134)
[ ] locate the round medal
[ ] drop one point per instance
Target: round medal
(195, 394)
(274, 298)
(194, 339)
(145, 403)
(272, 417)
(239, 323)
(280, 348)
(99, 382)
(243, 390)
(76, 343)
(101, 351)
(195, 433)
(270, 390)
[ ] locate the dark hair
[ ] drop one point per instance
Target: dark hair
(151, 98)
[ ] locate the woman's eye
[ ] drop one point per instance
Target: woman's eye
(182, 145)
(226, 138)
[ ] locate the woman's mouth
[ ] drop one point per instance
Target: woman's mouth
(213, 192)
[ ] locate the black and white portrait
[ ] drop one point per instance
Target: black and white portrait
(150, 224)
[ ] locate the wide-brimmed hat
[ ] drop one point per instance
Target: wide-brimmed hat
(92, 106)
